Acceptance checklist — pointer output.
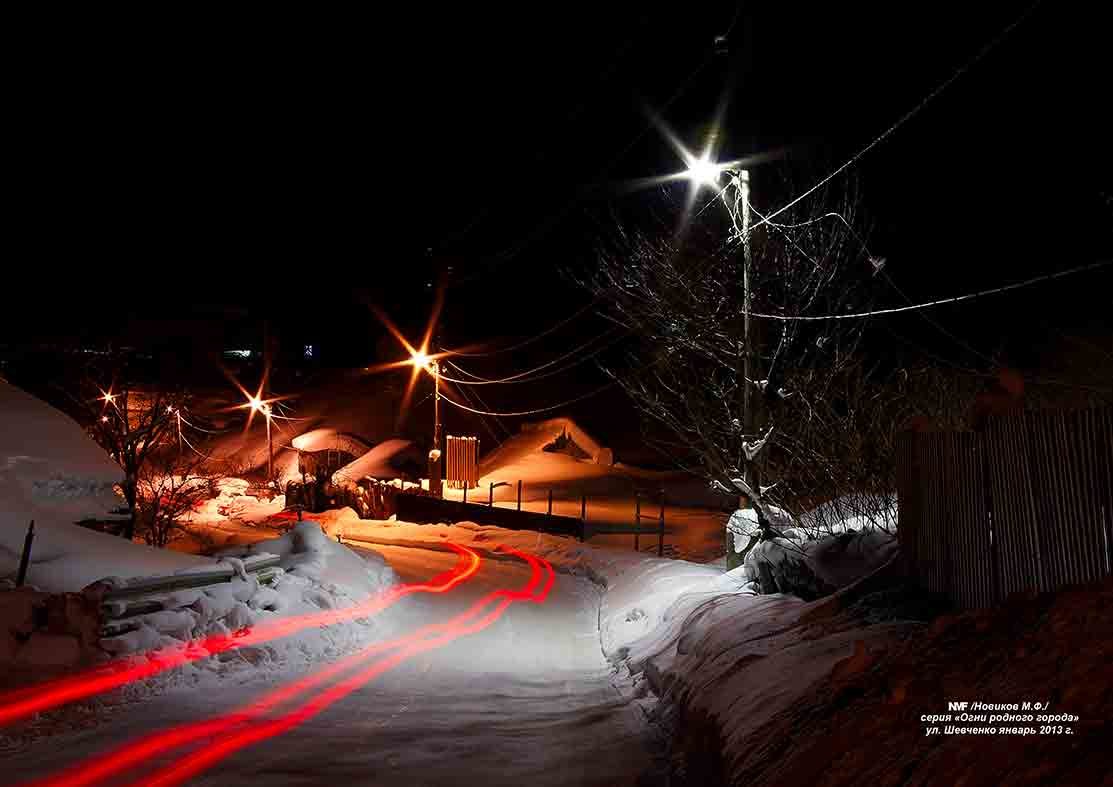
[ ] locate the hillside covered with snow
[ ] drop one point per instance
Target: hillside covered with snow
(53, 473)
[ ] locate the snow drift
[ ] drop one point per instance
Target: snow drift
(53, 473)
(317, 573)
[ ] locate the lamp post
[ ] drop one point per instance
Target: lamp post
(741, 180)
(423, 361)
(703, 171)
(259, 406)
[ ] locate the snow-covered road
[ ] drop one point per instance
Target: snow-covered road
(527, 701)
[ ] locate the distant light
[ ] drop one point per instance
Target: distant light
(309, 351)
(419, 359)
(104, 418)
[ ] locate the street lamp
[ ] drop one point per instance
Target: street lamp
(259, 406)
(703, 171)
(421, 360)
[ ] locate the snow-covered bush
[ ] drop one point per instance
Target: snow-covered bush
(317, 573)
(819, 551)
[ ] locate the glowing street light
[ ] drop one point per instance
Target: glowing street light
(703, 171)
(259, 405)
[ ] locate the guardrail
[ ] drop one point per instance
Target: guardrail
(123, 608)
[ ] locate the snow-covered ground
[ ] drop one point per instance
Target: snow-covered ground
(531, 699)
(53, 473)
(551, 693)
(316, 574)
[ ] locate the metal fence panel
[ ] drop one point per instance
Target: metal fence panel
(1025, 505)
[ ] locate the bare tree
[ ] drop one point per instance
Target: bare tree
(131, 426)
(684, 294)
(171, 485)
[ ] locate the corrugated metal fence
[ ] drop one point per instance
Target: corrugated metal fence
(463, 460)
(1025, 504)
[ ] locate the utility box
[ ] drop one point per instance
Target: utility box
(463, 462)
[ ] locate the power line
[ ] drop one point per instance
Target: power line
(524, 377)
(587, 395)
(483, 418)
(985, 50)
(528, 341)
(939, 302)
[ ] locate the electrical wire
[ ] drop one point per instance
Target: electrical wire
(200, 428)
(928, 304)
(525, 377)
(985, 50)
(587, 395)
(482, 418)
(528, 341)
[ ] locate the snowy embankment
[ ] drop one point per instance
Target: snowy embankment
(821, 550)
(316, 573)
(53, 473)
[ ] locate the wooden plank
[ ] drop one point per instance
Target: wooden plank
(1105, 481)
(1010, 501)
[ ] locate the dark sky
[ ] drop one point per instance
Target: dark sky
(297, 166)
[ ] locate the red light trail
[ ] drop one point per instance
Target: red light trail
(426, 638)
(50, 694)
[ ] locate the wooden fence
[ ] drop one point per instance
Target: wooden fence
(1026, 504)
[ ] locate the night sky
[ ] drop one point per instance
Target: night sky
(185, 167)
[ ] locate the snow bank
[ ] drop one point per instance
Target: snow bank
(823, 550)
(317, 573)
(52, 472)
(311, 556)
(233, 502)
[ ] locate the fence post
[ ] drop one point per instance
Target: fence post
(661, 528)
(550, 511)
(583, 507)
(465, 491)
(637, 520)
(491, 494)
(25, 558)
(519, 494)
